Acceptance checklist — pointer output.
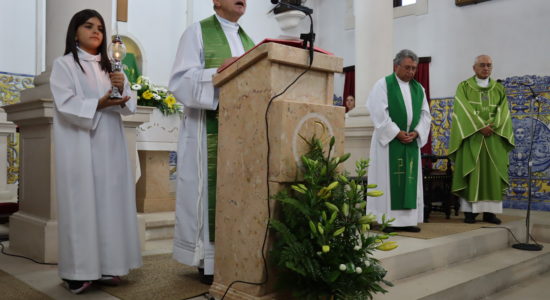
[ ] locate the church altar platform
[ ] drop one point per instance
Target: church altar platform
(469, 265)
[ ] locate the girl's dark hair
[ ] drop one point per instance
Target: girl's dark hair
(70, 43)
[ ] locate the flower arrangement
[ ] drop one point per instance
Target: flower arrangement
(324, 244)
(149, 94)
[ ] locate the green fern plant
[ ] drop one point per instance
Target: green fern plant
(324, 244)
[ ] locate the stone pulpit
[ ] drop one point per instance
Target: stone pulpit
(304, 110)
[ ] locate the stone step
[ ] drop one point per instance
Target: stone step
(532, 288)
(415, 256)
(476, 278)
(156, 247)
(158, 226)
(541, 232)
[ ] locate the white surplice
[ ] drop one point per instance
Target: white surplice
(192, 86)
(95, 191)
(385, 130)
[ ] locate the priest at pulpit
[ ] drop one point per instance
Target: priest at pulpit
(204, 47)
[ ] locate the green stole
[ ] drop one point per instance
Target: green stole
(403, 157)
(216, 51)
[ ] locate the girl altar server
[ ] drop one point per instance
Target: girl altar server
(97, 220)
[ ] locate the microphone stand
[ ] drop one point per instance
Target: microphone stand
(526, 246)
(308, 38)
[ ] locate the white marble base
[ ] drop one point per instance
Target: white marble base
(33, 237)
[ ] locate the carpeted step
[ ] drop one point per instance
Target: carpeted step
(415, 256)
(479, 277)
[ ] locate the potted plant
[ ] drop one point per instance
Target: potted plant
(324, 245)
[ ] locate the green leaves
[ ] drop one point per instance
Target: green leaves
(339, 231)
(331, 206)
(323, 227)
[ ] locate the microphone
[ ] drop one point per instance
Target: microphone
(307, 38)
(535, 96)
(306, 10)
(529, 84)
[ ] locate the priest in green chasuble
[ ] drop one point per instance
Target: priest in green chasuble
(401, 117)
(481, 138)
(204, 47)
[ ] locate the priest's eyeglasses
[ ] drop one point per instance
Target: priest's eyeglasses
(409, 68)
(483, 65)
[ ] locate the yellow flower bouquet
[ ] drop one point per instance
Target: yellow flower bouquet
(149, 94)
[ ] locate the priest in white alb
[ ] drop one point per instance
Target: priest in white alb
(401, 117)
(204, 47)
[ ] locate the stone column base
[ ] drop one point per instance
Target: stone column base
(33, 237)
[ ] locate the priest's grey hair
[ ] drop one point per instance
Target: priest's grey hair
(476, 60)
(401, 55)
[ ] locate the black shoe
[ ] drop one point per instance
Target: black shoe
(207, 279)
(469, 217)
(491, 218)
(390, 229)
(77, 286)
(411, 229)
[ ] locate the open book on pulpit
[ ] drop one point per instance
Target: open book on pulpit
(292, 43)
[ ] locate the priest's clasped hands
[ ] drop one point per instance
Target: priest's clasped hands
(117, 79)
(407, 137)
(487, 130)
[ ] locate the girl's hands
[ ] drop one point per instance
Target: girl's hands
(117, 79)
(106, 101)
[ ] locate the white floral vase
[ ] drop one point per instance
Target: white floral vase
(160, 133)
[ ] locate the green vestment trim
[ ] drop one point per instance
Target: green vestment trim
(480, 162)
(403, 157)
(216, 51)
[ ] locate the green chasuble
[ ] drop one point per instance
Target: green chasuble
(480, 162)
(216, 51)
(403, 157)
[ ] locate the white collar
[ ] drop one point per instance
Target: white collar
(226, 24)
(482, 82)
(399, 80)
(85, 56)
